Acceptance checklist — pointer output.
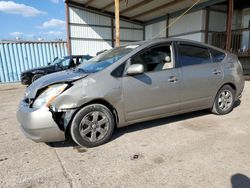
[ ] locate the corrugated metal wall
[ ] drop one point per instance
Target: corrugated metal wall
(91, 32)
(156, 30)
(190, 26)
(16, 57)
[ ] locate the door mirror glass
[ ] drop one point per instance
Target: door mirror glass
(135, 69)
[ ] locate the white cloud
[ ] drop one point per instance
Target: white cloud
(11, 7)
(55, 1)
(16, 34)
(54, 33)
(53, 23)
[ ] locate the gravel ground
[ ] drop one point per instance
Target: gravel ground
(192, 150)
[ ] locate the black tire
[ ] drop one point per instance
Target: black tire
(35, 77)
(84, 121)
(219, 103)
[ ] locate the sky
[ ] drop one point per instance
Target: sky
(32, 20)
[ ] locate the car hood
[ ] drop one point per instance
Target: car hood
(58, 77)
(38, 68)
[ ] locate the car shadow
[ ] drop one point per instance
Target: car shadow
(157, 122)
(137, 127)
(237, 103)
(240, 181)
(144, 125)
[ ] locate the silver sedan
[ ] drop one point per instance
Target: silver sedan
(129, 84)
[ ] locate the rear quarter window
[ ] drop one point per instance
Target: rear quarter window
(217, 56)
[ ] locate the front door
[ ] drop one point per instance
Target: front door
(156, 91)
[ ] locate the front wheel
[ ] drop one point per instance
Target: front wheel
(35, 77)
(92, 125)
(224, 101)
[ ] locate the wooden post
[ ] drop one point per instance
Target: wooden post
(68, 28)
(167, 23)
(230, 10)
(112, 32)
(207, 24)
(117, 23)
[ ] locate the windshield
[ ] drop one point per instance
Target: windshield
(59, 60)
(106, 59)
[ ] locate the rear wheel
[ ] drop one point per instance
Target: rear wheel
(224, 101)
(36, 76)
(92, 126)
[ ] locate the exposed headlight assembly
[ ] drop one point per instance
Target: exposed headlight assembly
(48, 95)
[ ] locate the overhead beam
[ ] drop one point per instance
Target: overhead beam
(169, 4)
(135, 6)
(230, 10)
(117, 23)
(108, 6)
(179, 12)
(88, 3)
(105, 13)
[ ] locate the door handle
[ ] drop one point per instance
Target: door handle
(216, 72)
(172, 79)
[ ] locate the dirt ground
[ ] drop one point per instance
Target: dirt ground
(192, 150)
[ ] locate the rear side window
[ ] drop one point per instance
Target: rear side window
(193, 55)
(217, 56)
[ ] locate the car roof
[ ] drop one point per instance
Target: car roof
(188, 41)
(75, 56)
(159, 40)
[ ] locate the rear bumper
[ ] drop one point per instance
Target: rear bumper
(38, 124)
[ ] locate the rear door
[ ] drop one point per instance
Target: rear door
(200, 76)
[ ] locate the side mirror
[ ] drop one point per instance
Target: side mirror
(135, 69)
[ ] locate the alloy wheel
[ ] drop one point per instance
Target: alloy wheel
(225, 100)
(94, 126)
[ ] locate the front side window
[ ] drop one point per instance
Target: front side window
(106, 59)
(154, 59)
(193, 55)
(65, 63)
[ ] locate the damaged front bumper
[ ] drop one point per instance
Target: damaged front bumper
(38, 124)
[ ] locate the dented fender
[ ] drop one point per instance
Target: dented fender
(90, 89)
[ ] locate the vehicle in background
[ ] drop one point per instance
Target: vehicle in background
(58, 64)
(130, 84)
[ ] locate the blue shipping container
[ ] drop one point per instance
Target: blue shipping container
(16, 57)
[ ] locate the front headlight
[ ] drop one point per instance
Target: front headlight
(48, 95)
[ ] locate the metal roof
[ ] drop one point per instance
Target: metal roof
(137, 10)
